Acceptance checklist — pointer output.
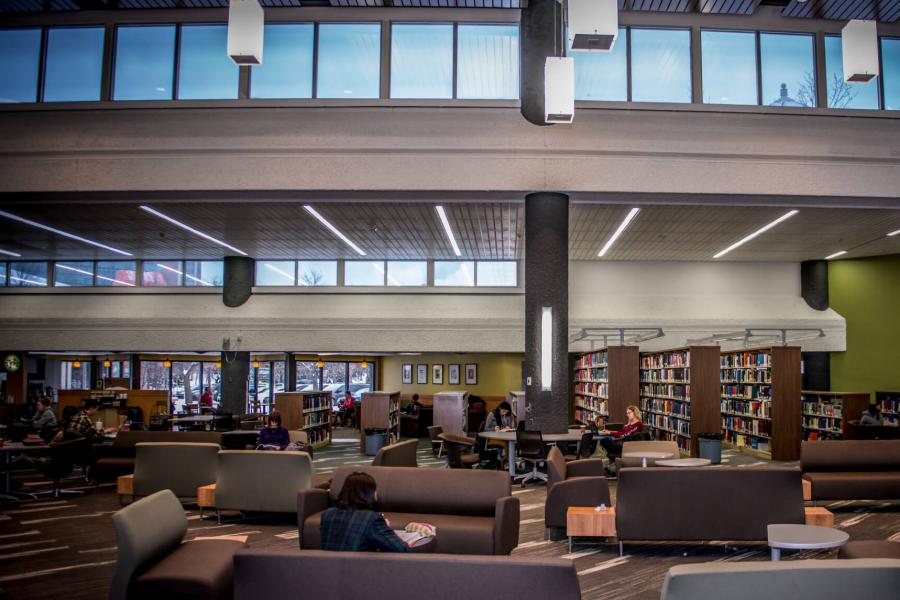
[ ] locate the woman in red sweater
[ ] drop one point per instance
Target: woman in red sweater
(613, 444)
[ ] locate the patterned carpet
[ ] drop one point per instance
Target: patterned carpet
(66, 548)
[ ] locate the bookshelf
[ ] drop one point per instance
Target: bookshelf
(606, 382)
(379, 410)
(680, 394)
(308, 411)
(760, 401)
(825, 415)
(451, 411)
(889, 402)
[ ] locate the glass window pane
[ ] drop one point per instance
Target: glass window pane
(364, 272)
(27, 274)
(729, 67)
(74, 64)
(334, 379)
(890, 64)
(497, 273)
(660, 65)
(116, 273)
(317, 272)
(162, 273)
(279, 380)
(264, 385)
(454, 273)
(252, 406)
(349, 60)
(73, 274)
(204, 69)
(487, 61)
(307, 376)
(208, 273)
(287, 66)
(407, 272)
(145, 62)
(275, 272)
(840, 93)
(788, 69)
(2, 273)
(421, 61)
(602, 75)
(75, 378)
(212, 379)
(154, 375)
(361, 380)
(20, 55)
(186, 386)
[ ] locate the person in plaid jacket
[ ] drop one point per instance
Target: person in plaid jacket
(353, 525)
(83, 425)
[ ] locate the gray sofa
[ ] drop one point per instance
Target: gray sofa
(401, 454)
(113, 460)
(384, 576)
(872, 579)
(264, 481)
(180, 467)
(152, 562)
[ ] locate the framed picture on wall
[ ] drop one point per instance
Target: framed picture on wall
(453, 374)
(472, 374)
(406, 374)
(421, 374)
(437, 374)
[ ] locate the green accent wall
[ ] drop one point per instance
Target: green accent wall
(866, 292)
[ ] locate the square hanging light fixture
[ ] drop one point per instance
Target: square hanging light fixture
(245, 32)
(593, 24)
(859, 46)
(559, 89)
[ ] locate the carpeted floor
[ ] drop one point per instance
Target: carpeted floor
(66, 548)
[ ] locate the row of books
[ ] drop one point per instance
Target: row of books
(318, 435)
(747, 392)
(740, 439)
(593, 359)
(812, 435)
(590, 403)
(315, 419)
(821, 424)
(681, 374)
(825, 409)
(743, 375)
(683, 442)
(750, 408)
(313, 403)
(587, 416)
(669, 424)
(594, 374)
(890, 406)
(677, 358)
(747, 425)
(746, 359)
(593, 389)
(669, 390)
(672, 407)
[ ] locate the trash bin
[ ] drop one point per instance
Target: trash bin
(711, 447)
(375, 439)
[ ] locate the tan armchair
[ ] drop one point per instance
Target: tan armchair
(575, 483)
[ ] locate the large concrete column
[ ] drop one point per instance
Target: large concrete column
(814, 289)
(290, 365)
(238, 280)
(235, 371)
(540, 35)
(547, 285)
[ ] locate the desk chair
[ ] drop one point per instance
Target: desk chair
(437, 444)
(459, 454)
(584, 449)
(530, 448)
(63, 457)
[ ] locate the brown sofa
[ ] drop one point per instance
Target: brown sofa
(870, 549)
(576, 483)
(852, 469)
(474, 511)
(660, 503)
(385, 576)
(401, 454)
(113, 460)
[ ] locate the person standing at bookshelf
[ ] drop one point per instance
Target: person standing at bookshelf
(613, 443)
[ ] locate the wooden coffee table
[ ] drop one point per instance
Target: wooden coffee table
(587, 521)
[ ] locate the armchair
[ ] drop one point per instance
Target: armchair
(576, 483)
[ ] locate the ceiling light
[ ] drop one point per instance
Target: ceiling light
(167, 363)
(191, 229)
(76, 364)
(893, 233)
(219, 364)
(281, 272)
(245, 32)
(8, 253)
(107, 363)
(191, 277)
(255, 364)
(83, 272)
(559, 89)
(3, 213)
(628, 219)
(593, 24)
(446, 224)
(364, 364)
(835, 255)
(859, 49)
(760, 231)
(333, 229)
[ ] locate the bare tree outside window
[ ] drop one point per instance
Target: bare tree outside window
(312, 277)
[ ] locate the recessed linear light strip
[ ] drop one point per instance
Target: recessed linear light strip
(893, 233)
(835, 255)
(83, 272)
(333, 229)
(281, 272)
(191, 277)
(756, 233)
(191, 229)
(8, 253)
(446, 224)
(3, 213)
(628, 219)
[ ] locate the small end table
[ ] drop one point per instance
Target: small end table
(804, 537)
(587, 521)
(645, 455)
(684, 462)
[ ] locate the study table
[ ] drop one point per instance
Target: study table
(645, 455)
(509, 436)
(8, 449)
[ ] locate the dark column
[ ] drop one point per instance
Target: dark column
(547, 285)
(96, 372)
(238, 280)
(290, 363)
(235, 371)
(134, 371)
(541, 34)
(814, 289)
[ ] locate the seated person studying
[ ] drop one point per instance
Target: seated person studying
(871, 416)
(43, 415)
(353, 525)
(501, 418)
(613, 445)
(273, 436)
(83, 425)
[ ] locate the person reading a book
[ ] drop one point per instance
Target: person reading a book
(871, 416)
(352, 525)
(613, 444)
(500, 418)
(273, 436)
